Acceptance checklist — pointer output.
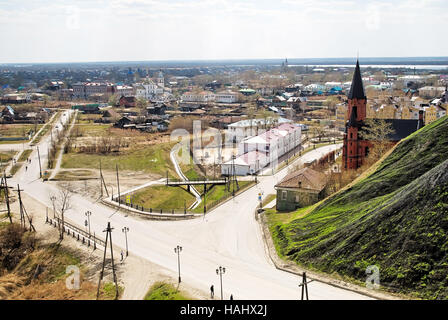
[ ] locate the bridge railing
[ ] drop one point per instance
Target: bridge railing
(152, 210)
(205, 181)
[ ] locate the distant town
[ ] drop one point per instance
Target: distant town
(264, 169)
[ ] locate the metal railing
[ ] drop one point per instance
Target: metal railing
(153, 210)
(76, 232)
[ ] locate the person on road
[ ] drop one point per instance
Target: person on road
(231, 297)
(26, 168)
(121, 255)
(212, 292)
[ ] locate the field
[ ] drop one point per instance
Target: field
(163, 197)
(148, 159)
(17, 132)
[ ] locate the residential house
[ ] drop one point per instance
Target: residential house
(300, 189)
(122, 90)
(7, 114)
(246, 128)
(226, 97)
(204, 96)
(127, 102)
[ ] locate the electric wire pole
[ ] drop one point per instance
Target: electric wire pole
(40, 166)
(108, 235)
(4, 186)
(118, 183)
(23, 212)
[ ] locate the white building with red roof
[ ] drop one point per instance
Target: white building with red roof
(255, 153)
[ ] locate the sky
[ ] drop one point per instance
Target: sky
(145, 30)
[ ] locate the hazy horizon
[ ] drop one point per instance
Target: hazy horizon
(421, 60)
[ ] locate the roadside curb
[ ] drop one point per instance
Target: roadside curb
(293, 268)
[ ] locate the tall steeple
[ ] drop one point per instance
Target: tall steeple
(357, 88)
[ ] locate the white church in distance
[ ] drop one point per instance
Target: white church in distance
(148, 89)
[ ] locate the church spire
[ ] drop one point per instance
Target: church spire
(357, 88)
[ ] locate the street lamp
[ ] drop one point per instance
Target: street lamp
(177, 250)
(88, 214)
(220, 271)
(126, 230)
(53, 199)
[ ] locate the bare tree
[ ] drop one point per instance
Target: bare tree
(63, 202)
(377, 131)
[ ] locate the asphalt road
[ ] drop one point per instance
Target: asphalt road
(228, 236)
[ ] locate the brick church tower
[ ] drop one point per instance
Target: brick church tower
(355, 148)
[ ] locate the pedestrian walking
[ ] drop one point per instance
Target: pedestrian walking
(231, 297)
(212, 292)
(121, 255)
(26, 168)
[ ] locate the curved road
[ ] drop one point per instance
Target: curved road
(228, 236)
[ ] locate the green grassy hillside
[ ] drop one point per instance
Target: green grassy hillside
(396, 218)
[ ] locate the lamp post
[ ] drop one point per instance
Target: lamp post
(220, 271)
(53, 199)
(88, 214)
(126, 230)
(177, 250)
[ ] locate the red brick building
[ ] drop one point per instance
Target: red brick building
(355, 148)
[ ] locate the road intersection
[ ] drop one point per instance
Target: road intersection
(227, 236)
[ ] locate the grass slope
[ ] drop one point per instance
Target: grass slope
(396, 218)
(165, 291)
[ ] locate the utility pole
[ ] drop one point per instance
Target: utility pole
(40, 166)
(108, 235)
(304, 286)
(118, 183)
(220, 271)
(88, 214)
(125, 230)
(233, 175)
(4, 186)
(102, 182)
(23, 213)
(177, 250)
(53, 199)
(205, 192)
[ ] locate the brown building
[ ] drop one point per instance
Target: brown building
(300, 189)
